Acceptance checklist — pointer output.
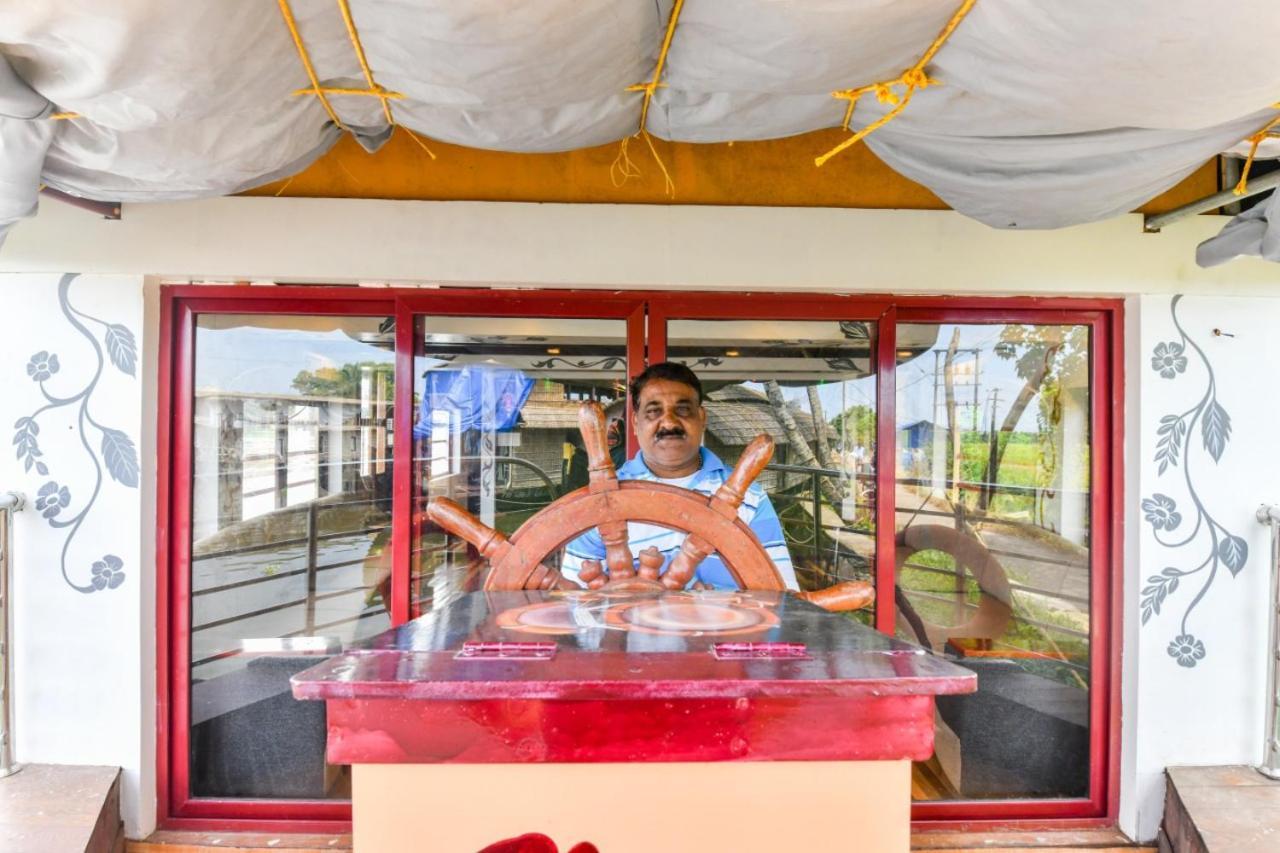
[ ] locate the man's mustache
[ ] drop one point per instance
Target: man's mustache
(669, 433)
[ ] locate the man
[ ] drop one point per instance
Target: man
(669, 420)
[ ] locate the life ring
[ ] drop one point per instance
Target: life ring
(994, 611)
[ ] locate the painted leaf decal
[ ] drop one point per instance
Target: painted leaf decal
(122, 348)
(43, 469)
(120, 456)
(1234, 552)
(1171, 431)
(1215, 429)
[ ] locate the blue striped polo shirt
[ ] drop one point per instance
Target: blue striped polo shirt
(756, 511)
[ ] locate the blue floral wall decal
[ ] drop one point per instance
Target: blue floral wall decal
(115, 450)
(1211, 545)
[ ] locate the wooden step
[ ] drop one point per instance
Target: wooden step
(61, 808)
(1229, 809)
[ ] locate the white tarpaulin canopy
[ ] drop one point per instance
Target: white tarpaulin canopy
(1045, 114)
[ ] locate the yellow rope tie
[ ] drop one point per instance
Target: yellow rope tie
(374, 89)
(284, 186)
(623, 167)
(909, 81)
(63, 116)
(319, 91)
(1243, 186)
(333, 90)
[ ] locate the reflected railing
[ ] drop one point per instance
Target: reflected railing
(309, 543)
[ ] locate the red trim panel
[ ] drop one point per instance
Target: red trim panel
(886, 467)
(402, 516)
(646, 313)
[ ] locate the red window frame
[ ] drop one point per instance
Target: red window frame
(643, 311)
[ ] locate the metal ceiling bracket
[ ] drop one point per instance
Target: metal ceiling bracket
(1153, 222)
(108, 209)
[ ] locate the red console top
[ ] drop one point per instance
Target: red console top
(594, 676)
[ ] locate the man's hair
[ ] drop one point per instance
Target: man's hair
(669, 370)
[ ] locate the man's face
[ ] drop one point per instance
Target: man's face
(669, 423)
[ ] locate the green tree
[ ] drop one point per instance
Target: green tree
(1046, 359)
(857, 424)
(342, 382)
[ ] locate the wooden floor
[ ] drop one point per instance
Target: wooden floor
(928, 782)
(1091, 841)
(1075, 841)
(240, 842)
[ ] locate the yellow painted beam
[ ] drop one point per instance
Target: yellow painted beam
(775, 173)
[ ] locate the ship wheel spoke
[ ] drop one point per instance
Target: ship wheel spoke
(492, 544)
(602, 477)
(694, 549)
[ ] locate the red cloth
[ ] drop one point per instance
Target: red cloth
(535, 842)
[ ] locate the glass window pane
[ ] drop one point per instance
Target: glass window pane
(496, 427)
(811, 386)
(291, 508)
(993, 496)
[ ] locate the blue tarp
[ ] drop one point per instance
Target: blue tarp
(464, 390)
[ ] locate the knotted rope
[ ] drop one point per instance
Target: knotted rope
(910, 80)
(1242, 186)
(322, 92)
(623, 167)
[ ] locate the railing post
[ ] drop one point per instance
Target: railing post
(311, 567)
(1270, 516)
(10, 502)
(817, 515)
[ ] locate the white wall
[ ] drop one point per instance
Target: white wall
(1171, 714)
(79, 659)
(734, 248)
(1211, 711)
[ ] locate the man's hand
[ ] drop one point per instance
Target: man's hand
(651, 559)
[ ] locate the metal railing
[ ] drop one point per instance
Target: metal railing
(10, 502)
(308, 546)
(1270, 766)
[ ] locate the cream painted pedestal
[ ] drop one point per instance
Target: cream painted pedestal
(712, 807)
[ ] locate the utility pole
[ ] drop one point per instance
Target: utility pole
(977, 371)
(993, 454)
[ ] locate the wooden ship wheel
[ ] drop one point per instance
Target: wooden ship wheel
(710, 523)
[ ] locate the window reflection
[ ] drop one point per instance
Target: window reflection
(992, 550)
(811, 386)
(291, 506)
(496, 428)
